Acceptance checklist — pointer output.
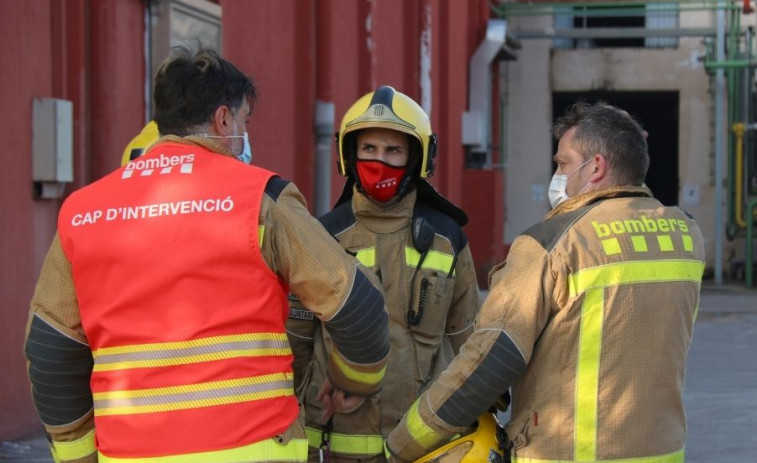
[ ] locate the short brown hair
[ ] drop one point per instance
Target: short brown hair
(190, 87)
(612, 132)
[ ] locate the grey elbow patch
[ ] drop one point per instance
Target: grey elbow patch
(502, 364)
(359, 329)
(59, 370)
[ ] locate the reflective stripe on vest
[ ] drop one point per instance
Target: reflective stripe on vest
(352, 444)
(193, 395)
(592, 283)
(267, 450)
(675, 457)
(73, 450)
(185, 352)
(435, 260)
(367, 256)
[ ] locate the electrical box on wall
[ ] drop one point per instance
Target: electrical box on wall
(52, 146)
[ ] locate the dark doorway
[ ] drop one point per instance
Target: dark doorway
(658, 114)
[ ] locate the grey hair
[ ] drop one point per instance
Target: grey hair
(612, 132)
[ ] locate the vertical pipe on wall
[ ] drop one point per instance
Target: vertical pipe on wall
(366, 49)
(719, 134)
(324, 107)
(424, 51)
(148, 60)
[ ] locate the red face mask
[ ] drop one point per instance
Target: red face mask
(379, 180)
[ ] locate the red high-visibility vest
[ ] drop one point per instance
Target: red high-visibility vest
(184, 317)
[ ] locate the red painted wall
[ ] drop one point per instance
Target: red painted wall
(26, 24)
(299, 52)
(89, 52)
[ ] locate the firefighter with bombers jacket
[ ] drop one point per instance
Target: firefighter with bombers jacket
(595, 335)
(157, 326)
(400, 227)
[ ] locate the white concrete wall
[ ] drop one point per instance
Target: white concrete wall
(540, 70)
(528, 140)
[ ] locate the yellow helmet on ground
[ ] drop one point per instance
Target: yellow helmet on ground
(388, 109)
(139, 144)
(481, 445)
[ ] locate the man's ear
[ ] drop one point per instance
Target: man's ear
(223, 121)
(601, 169)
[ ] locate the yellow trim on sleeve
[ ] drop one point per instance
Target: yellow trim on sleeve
(73, 450)
(354, 375)
(421, 433)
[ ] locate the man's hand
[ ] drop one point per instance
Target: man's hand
(335, 400)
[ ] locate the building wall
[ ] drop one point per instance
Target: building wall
(547, 70)
(52, 59)
(91, 52)
(529, 146)
(337, 50)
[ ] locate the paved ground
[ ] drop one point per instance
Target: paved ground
(720, 393)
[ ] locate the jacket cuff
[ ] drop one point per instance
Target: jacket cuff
(357, 379)
(81, 450)
(414, 437)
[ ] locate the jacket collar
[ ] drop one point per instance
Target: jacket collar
(571, 204)
(194, 140)
(383, 217)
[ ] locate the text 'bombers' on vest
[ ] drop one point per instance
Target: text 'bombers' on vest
(640, 225)
(160, 161)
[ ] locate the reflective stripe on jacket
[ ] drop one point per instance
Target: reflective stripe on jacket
(187, 364)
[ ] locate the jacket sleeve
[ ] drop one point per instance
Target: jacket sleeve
(301, 327)
(333, 286)
(59, 362)
(465, 301)
(496, 353)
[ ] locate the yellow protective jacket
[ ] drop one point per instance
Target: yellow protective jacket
(590, 320)
(440, 287)
(295, 249)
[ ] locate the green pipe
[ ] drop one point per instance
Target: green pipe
(712, 65)
(731, 77)
(749, 261)
(606, 8)
(747, 102)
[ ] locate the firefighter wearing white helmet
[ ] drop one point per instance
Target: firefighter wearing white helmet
(410, 236)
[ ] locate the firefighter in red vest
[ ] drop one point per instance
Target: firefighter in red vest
(157, 325)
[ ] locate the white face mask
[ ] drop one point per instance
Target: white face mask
(246, 155)
(558, 187)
